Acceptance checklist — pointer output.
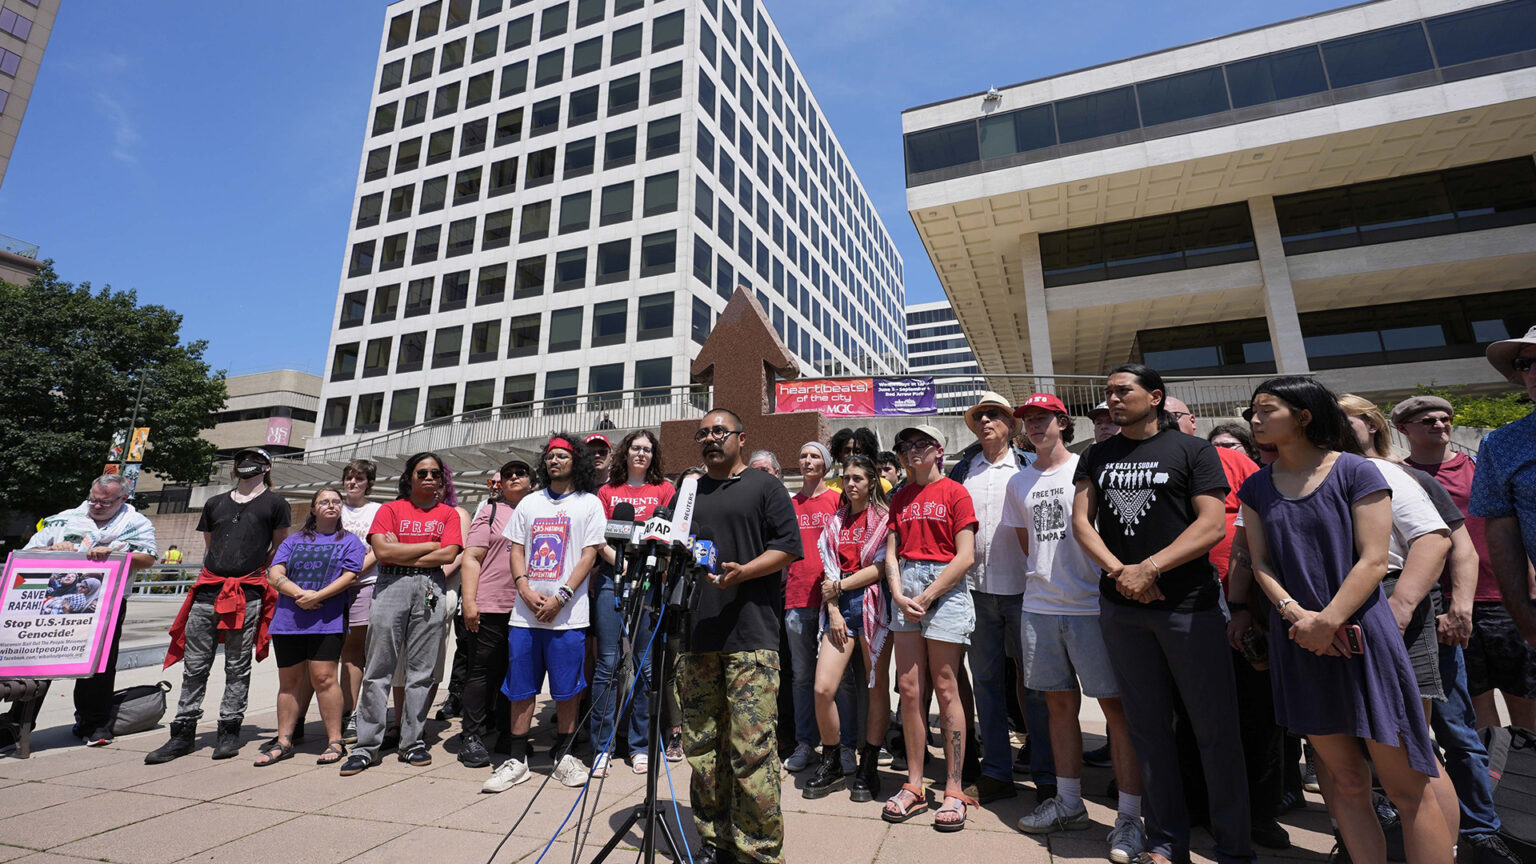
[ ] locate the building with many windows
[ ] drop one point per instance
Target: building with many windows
(557, 198)
(25, 26)
(1350, 194)
(936, 346)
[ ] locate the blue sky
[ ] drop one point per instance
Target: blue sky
(206, 154)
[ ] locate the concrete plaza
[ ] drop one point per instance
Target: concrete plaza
(69, 803)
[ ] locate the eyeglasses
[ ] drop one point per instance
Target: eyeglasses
(916, 446)
(715, 433)
(1524, 364)
(1179, 415)
(97, 502)
(639, 449)
(433, 473)
(1432, 422)
(1230, 445)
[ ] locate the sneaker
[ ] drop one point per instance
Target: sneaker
(349, 729)
(799, 759)
(417, 757)
(600, 766)
(1127, 840)
(1309, 774)
(1053, 815)
(98, 739)
(472, 753)
(640, 763)
(356, 763)
(885, 757)
(675, 747)
(1489, 849)
(1291, 800)
(570, 772)
(1098, 757)
(989, 789)
(507, 774)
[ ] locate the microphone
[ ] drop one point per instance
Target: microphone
(701, 559)
(620, 531)
(687, 497)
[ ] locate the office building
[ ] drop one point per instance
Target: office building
(557, 198)
(936, 346)
(25, 26)
(1350, 194)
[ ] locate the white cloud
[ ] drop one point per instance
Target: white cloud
(125, 136)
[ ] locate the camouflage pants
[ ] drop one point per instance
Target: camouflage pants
(730, 719)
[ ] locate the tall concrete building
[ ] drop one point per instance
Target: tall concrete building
(25, 26)
(936, 346)
(557, 198)
(1350, 194)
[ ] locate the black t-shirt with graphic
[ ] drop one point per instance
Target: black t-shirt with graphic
(1146, 498)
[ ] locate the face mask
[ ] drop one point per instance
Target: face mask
(249, 468)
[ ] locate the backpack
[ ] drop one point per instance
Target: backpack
(136, 709)
(1512, 769)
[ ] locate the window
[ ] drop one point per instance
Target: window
(472, 138)
(393, 255)
(492, 287)
(606, 379)
(554, 20)
(335, 422)
(498, 230)
(1180, 97)
(619, 148)
(667, 82)
(446, 102)
(368, 209)
(1155, 244)
(418, 297)
(546, 117)
(413, 352)
(590, 11)
(583, 107)
(519, 33)
(485, 44)
(453, 56)
(1373, 56)
(571, 269)
(530, 278)
(484, 341)
(579, 157)
(658, 253)
(565, 329)
(560, 390)
(725, 228)
(408, 155)
(386, 300)
(610, 324)
(455, 291)
(354, 308)
(489, 8)
(707, 43)
(703, 260)
(377, 164)
(390, 76)
(622, 6)
(946, 146)
(428, 242)
(587, 56)
(535, 224)
(509, 127)
(540, 168)
(440, 398)
(653, 378)
(701, 313)
(725, 278)
(1096, 115)
(440, 146)
(517, 395)
(433, 193)
(421, 65)
(458, 13)
(618, 203)
(370, 410)
(466, 186)
(403, 408)
(415, 111)
(523, 336)
(479, 396)
(613, 262)
(478, 91)
(344, 362)
(514, 78)
(550, 68)
(399, 32)
(662, 136)
(655, 318)
(660, 194)
(376, 358)
(503, 177)
(667, 32)
(1285, 75)
(1487, 31)
(575, 212)
(706, 95)
(447, 346)
(627, 45)
(384, 118)
(623, 94)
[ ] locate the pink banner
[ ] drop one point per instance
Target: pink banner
(833, 397)
(279, 430)
(60, 609)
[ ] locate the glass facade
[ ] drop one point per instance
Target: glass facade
(1155, 244)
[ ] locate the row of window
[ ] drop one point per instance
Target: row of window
(1153, 244)
(263, 413)
(941, 315)
(914, 333)
(429, 18)
(16, 24)
(1434, 48)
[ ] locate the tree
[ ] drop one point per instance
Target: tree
(70, 365)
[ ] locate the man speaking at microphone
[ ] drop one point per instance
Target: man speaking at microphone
(728, 677)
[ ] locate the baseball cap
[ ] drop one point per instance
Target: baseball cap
(1044, 402)
(598, 439)
(257, 452)
(924, 430)
(1413, 406)
(1101, 408)
(988, 399)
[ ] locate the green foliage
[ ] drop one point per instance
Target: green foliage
(1484, 412)
(70, 364)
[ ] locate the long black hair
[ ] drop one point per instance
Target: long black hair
(409, 471)
(1149, 379)
(583, 466)
(863, 436)
(1329, 428)
(312, 522)
(618, 466)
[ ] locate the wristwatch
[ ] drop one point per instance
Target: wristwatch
(1280, 607)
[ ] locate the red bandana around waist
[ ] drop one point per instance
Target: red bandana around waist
(230, 604)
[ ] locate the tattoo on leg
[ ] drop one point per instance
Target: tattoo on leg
(956, 747)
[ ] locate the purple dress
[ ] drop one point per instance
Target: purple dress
(1311, 544)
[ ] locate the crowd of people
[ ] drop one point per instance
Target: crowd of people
(1284, 580)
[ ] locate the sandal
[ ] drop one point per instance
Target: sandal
(333, 753)
(915, 803)
(274, 754)
(962, 801)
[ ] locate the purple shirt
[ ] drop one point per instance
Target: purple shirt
(312, 564)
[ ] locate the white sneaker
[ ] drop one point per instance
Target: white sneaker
(507, 774)
(1053, 815)
(1126, 840)
(639, 763)
(570, 771)
(600, 766)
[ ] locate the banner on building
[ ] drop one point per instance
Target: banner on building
(279, 431)
(131, 478)
(119, 446)
(136, 444)
(59, 611)
(856, 397)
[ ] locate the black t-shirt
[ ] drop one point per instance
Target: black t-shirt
(749, 514)
(242, 533)
(1146, 498)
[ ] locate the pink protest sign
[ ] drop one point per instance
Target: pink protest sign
(57, 613)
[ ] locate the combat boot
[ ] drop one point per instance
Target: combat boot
(182, 733)
(829, 775)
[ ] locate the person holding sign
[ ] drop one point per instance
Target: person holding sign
(104, 523)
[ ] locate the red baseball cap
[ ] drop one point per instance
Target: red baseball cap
(1042, 401)
(591, 439)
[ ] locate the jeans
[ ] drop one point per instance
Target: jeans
(803, 629)
(607, 630)
(1466, 760)
(202, 640)
(996, 637)
(400, 624)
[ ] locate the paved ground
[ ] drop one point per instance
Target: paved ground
(69, 804)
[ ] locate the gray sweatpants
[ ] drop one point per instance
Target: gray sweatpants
(202, 643)
(399, 625)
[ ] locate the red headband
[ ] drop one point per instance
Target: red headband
(560, 443)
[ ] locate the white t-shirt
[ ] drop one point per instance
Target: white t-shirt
(356, 521)
(1062, 579)
(999, 566)
(1413, 514)
(553, 534)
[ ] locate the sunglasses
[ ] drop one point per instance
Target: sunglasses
(1432, 422)
(515, 472)
(425, 473)
(916, 446)
(991, 414)
(1524, 364)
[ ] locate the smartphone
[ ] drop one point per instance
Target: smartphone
(1351, 639)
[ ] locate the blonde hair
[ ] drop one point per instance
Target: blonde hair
(1358, 406)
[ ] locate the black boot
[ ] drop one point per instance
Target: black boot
(829, 776)
(229, 740)
(865, 784)
(182, 733)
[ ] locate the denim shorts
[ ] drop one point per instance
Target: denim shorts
(1063, 651)
(1423, 643)
(851, 604)
(951, 618)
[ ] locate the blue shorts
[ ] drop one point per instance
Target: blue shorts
(534, 651)
(1062, 650)
(951, 618)
(851, 604)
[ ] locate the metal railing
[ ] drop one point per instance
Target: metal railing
(1206, 395)
(166, 581)
(20, 247)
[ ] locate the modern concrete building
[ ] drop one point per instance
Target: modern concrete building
(24, 29)
(557, 198)
(1350, 194)
(936, 346)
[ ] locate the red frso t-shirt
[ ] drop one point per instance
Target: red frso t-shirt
(411, 524)
(850, 540)
(1455, 474)
(645, 499)
(927, 518)
(1238, 467)
(802, 585)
